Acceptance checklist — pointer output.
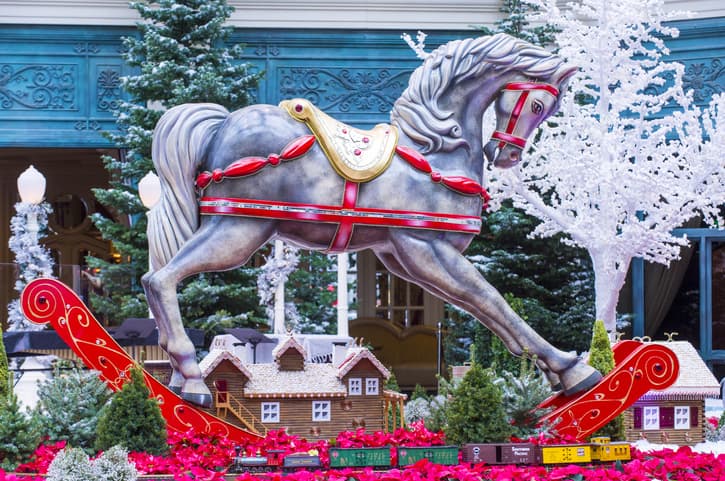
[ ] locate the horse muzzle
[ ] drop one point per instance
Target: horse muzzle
(504, 157)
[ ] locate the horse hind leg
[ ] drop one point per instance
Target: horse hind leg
(439, 267)
(219, 245)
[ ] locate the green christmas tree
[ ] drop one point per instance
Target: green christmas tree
(19, 433)
(5, 383)
(132, 419)
(515, 22)
(180, 56)
(475, 412)
(69, 406)
(601, 358)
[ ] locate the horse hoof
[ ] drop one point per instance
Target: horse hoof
(587, 383)
(175, 389)
(200, 399)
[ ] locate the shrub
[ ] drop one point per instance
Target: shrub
(132, 419)
(601, 358)
(475, 413)
(73, 464)
(19, 433)
(69, 406)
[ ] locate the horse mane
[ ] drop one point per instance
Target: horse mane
(421, 115)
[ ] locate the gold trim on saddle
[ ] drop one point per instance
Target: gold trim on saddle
(357, 155)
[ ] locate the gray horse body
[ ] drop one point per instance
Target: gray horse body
(446, 129)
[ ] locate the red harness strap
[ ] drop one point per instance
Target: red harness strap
(346, 216)
(508, 136)
(344, 228)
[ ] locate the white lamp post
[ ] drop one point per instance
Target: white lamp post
(149, 190)
(31, 187)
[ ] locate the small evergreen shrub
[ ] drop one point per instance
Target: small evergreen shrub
(132, 419)
(19, 433)
(521, 394)
(69, 406)
(73, 464)
(475, 412)
(601, 358)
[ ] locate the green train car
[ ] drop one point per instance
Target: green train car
(446, 455)
(360, 457)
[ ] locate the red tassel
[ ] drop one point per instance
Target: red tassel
(203, 180)
(297, 147)
(414, 158)
(463, 185)
(245, 166)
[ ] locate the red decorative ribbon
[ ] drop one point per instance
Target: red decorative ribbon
(462, 185)
(251, 165)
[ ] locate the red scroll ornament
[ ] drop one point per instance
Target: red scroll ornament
(639, 368)
(49, 301)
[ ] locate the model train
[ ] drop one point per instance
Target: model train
(599, 450)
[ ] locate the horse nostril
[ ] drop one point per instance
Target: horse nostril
(514, 156)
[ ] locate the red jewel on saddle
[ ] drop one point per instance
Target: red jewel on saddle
(435, 176)
(217, 175)
(273, 159)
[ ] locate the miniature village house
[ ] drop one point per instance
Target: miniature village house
(675, 415)
(313, 400)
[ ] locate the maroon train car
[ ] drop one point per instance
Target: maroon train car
(508, 453)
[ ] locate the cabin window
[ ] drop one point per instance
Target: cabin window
(354, 386)
(650, 418)
(371, 386)
(682, 417)
(270, 412)
(320, 410)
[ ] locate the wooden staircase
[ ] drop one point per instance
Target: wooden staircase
(226, 403)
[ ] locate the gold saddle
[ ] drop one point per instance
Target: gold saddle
(357, 155)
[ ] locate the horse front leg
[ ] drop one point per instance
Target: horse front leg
(177, 379)
(219, 245)
(439, 267)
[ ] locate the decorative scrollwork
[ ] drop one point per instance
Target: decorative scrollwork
(705, 80)
(366, 90)
(108, 89)
(44, 87)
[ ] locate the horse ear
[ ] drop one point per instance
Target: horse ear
(564, 75)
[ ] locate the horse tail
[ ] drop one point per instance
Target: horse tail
(180, 142)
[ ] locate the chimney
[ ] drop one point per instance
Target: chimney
(339, 352)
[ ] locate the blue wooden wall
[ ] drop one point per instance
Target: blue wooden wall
(59, 85)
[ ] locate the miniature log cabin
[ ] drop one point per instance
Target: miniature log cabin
(312, 400)
(675, 415)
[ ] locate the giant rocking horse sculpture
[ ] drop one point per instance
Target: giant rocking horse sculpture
(410, 191)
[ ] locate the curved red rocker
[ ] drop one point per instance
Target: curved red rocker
(639, 368)
(49, 301)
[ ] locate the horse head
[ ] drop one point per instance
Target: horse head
(520, 108)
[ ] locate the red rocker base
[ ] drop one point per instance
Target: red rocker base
(639, 368)
(50, 301)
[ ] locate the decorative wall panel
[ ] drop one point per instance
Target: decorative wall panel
(59, 86)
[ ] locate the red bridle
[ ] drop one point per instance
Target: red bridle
(507, 137)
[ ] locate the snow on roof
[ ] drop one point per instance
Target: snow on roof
(357, 354)
(215, 357)
(695, 380)
(284, 346)
(315, 379)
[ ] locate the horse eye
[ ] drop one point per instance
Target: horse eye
(537, 106)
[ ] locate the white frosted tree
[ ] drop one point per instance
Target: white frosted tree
(33, 259)
(630, 157)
